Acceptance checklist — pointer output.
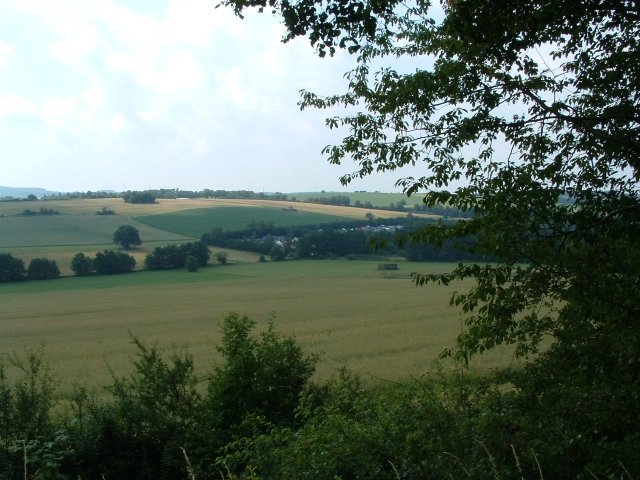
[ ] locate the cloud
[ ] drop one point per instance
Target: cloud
(6, 51)
(174, 87)
(14, 105)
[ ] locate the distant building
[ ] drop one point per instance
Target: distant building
(387, 266)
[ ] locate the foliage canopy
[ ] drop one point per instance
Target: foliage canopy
(11, 268)
(127, 236)
(526, 115)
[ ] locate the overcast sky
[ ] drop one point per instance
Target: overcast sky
(136, 94)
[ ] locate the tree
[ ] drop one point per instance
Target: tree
(127, 236)
(11, 268)
(174, 256)
(221, 258)
(198, 250)
(530, 112)
(42, 269)
(110, 262)
(82, 265)
(191, 263)
(277, 253)
(140, 197)
(263, 376)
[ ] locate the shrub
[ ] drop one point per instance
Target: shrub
(277, 253)
(110, 262)
(139, 197)
(42, 269)
(11, 268)
(106, 211)
(261, 376)
(174, 256)
(192, 264)
(81, 265)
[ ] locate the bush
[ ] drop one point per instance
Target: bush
(174, 256)
(81, 265)
(192, 264)
(42, 269)
(110, 262)
(106, 211)
(139, 197)
(277, 253)
(11, 268)
(25, 420)
(263, 376)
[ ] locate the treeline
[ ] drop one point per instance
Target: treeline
(107, 262)
(399, 206)
(260, 416)
(171, 193)
(151, 195)
(27, 212)
(340, 239)
(13, 270)
(171, 257)
(166, 193)
(139, 197)
(343, 200)
(189, 255)
(80, 195)
(104, 263)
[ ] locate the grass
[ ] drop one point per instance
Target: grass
(376, 323)
(195, 222)
(377, 199)
(379, 325)
(68, 230)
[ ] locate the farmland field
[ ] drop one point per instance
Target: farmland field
(379, 199)
(195, 222)
(347, 312)
(65, 230)
(377, 323)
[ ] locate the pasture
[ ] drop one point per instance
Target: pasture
(197, 221)
(376, 323)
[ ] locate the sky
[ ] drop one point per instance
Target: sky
(137, 94)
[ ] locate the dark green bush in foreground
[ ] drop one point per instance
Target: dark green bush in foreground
(260, 416)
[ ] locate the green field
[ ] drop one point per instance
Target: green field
(77, 228)
(376, 323)
(197, 221)
(377, 199)
(66, 230)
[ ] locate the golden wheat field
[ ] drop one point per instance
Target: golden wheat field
(90, 206)
(347, 312)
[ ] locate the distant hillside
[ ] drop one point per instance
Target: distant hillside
(23, 192)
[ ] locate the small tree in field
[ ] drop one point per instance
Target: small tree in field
(127, 236)
(221, 258)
